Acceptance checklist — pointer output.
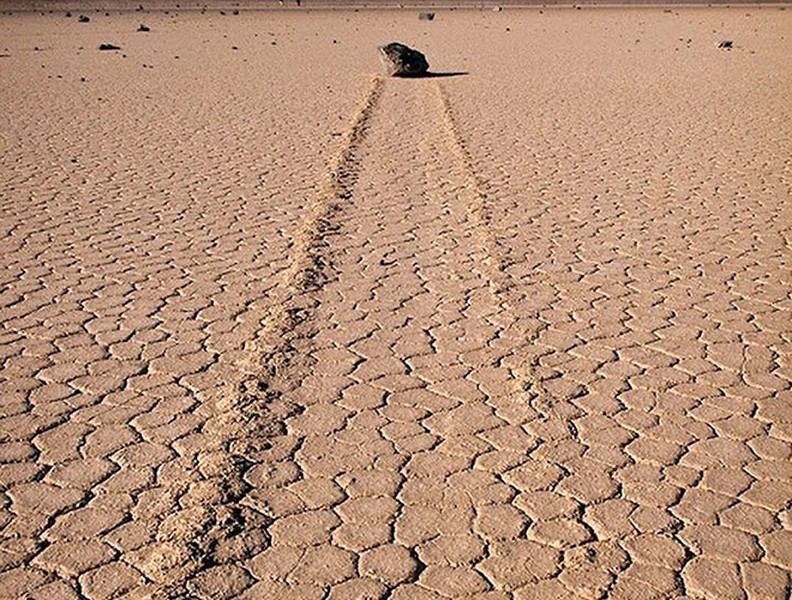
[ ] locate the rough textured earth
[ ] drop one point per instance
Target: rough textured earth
(274, 330)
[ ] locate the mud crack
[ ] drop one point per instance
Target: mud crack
(210, 522)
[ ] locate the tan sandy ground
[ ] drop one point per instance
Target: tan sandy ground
(275, 327)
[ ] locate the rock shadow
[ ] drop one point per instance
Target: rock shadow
(430, 75)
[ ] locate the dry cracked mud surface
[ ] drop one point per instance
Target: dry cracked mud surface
(277, 330)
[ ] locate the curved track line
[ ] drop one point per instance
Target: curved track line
(478, 209)
(503, 284)
(195, 537)
(271, 350)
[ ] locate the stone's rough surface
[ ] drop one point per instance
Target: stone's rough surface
(399, 60)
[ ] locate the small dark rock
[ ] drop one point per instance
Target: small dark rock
(68, 14)
(726, 44)
(426, 16)
(142, 27)
(83, 19)
(399, 60)
(109, 47)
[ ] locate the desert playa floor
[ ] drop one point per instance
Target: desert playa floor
(275, 327)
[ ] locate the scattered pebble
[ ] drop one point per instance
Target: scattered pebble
(142, 27)
(109, 47)
(83, 19)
